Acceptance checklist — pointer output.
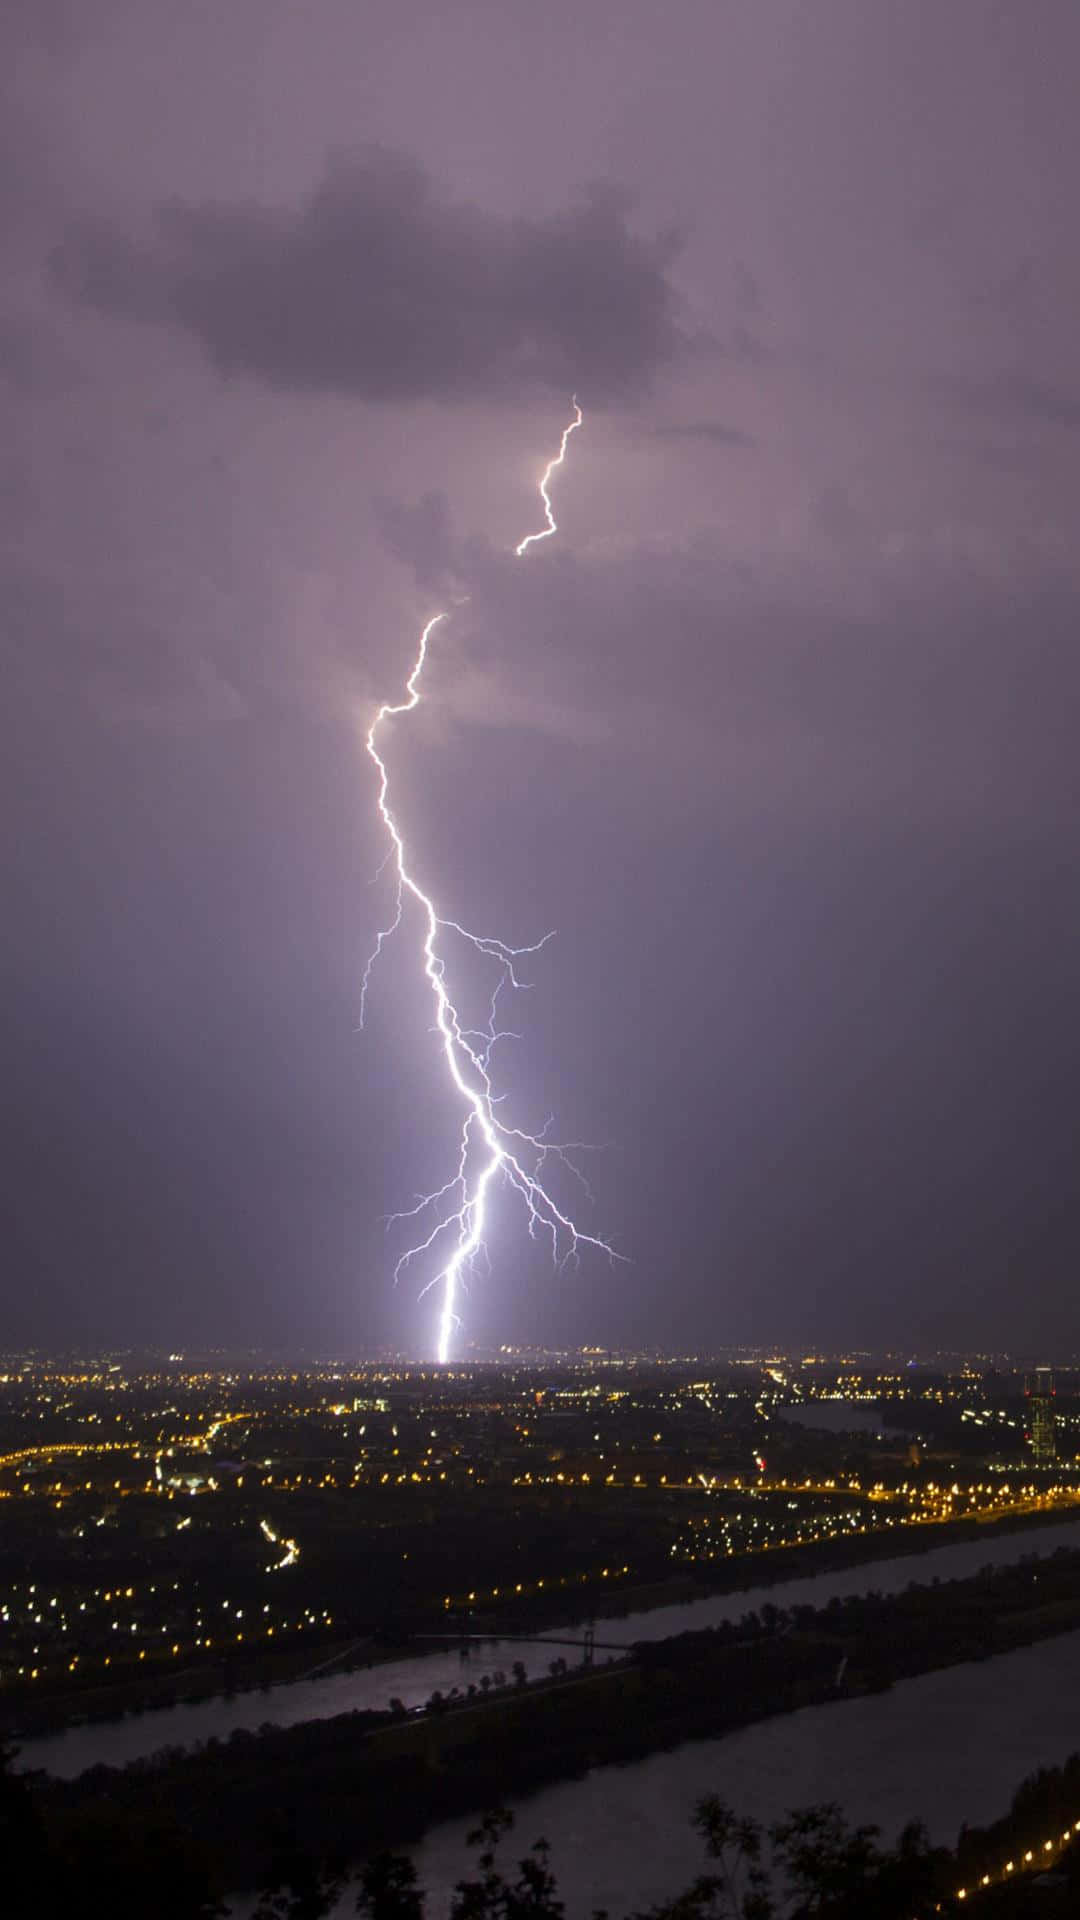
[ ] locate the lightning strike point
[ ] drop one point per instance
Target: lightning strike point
(487, 1146)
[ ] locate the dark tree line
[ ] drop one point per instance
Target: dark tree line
(818, 1865)
(814, 1865)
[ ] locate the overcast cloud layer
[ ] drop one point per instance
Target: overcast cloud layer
(779, 733)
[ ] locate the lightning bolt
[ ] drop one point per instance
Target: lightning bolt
(545, 481)
(488, 1147)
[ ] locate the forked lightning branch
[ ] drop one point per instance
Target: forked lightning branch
(451, 1223)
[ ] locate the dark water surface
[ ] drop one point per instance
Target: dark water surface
(948, 1748)
(413, 1680)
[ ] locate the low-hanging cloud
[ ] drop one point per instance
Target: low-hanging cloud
(379, 285)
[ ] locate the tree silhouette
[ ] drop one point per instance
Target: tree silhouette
(24, 1851)
(299, 1886)
(389, 1889)
(738, 1887)
(533, 1895)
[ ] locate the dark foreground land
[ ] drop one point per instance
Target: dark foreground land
(361, 1782)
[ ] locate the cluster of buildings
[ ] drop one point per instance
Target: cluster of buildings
(189, 1512)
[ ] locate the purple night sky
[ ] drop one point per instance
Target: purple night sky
(780, 734)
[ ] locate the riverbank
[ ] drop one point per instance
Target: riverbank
(769, 1566)
(25, 1714)
(452, 1668)
(28, 1713)
(365, 1780)
(949, 1748)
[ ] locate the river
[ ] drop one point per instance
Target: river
(947, 1748)
(414, 1679)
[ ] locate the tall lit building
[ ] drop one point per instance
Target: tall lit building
(1039, 1389)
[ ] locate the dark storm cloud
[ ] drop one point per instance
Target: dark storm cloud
(379, 285)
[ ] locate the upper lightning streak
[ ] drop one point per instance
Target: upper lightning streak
(546, 533)
(517, 1155)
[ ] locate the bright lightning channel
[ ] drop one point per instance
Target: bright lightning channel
(545, 481)
(488, 1146)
